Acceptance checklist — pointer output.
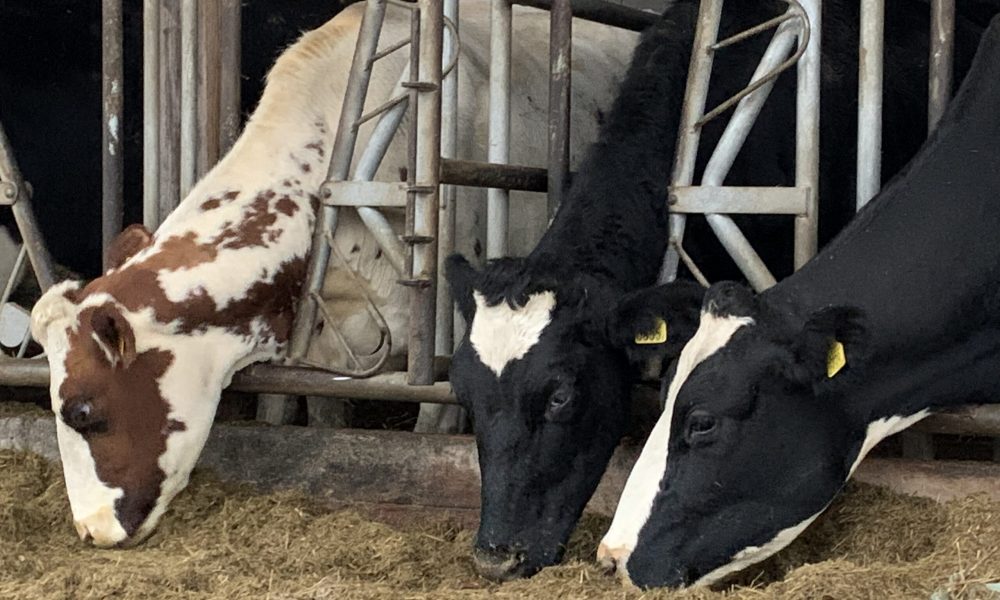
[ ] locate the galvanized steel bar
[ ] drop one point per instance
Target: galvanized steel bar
(498, 200)
(602, 11)
(445, 317)
(689, 134)
(807, 135)
(189, 96)
(19, 197)
(942, 49)
(870, 100)
(340, 163)
(170, 101)
(150, 113)
(112, 158)
(420, 358)
(560, 75)
(739, 200)
(230, 13)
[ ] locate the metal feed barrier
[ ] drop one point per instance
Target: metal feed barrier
(191, 110)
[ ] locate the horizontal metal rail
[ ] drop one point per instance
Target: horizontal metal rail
(600, 11)
(490, 175)
(392, 386)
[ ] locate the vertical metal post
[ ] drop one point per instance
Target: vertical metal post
(498, 200)
(560, 73)
(870, 101)
(420, 357)
(340, 164)
(807, 135)
(942, 49)
(445, 319)
(230, 13)
(189, 96)
(112, 160)
(170, 100)
(20, 199)
(689, 134)
(150, 113)
(207, 94)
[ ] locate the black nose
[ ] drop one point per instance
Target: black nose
(499, 563)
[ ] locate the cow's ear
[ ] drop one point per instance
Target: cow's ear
(461, 276)
(128, 243)
(114, 334)
(55, 307)
(833, 340)
(652, 325)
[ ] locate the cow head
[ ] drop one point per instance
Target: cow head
(544, 371)
(753, 443)
(129, 399)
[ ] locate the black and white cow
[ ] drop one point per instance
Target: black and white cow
(543, 366)
(779, 396)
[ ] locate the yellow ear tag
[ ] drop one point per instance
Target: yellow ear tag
(121, 346)
(656, 336)
(835, 359)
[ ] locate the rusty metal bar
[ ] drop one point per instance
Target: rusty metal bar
(169, 108)
(601, 11)
(807, 135)
(870, 101)
(942, 49)
(112, 159)
(17, 193)
(498, 200)
(189, 96)
(209, 106)
(150, 113)
(423, 296)
(560, 76)
(230, 12)
(479, 174)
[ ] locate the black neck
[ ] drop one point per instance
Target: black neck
(923, 262)
(613, 222)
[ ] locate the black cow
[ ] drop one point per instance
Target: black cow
(543, 366)
(779, 396)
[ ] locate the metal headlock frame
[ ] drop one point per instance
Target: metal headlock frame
(164, 43)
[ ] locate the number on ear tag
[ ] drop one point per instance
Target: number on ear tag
(835, 359)
(657, 336)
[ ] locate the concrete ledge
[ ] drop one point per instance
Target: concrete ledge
(392, 472)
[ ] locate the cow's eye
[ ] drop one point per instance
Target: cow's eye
(700, 426)
(559, 399)
(82, 418)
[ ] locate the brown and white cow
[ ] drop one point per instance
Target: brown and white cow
(139, 356)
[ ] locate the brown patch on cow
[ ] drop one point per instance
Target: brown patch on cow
(173, 425)
(286, 206)
(287, 183)
(211, 204)
(318, 147)
(306, 167)
(129, 242)
(231, 195)
(127, 448)
(253, 229)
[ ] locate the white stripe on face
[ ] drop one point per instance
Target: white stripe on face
(91, 500)
(501, 334)
(643, 483)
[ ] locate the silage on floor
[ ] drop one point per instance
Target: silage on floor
(223, 541)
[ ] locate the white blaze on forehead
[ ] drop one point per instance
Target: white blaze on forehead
(643, 483)
(501, 334)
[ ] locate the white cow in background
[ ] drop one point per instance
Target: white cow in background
(600, 55)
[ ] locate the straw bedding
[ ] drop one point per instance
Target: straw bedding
(223, 541)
